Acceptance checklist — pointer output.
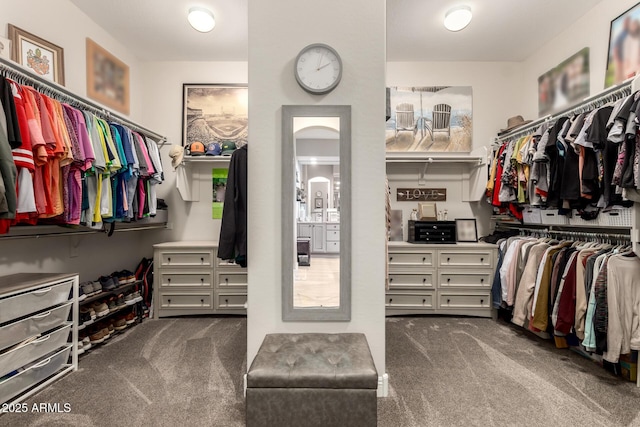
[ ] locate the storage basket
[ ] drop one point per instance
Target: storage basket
(551, 216)
(576, 220)
(615, 218)
(531, 215)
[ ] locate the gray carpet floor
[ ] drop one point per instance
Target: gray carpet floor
(444, 371)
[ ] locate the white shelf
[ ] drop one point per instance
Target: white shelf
(477, 157)
(206, 159)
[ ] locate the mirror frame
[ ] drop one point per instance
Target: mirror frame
(289, 223)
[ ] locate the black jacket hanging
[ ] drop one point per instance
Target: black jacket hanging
(233, 232)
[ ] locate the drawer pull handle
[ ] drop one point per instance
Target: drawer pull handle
(390, 258)
(169, 300)
(448, 301)
(226, 301)
(390, 299)
(43, 315)
(481, 301)
(41, 340)
(391, 280)
(481, 259)
(481, 280)
(202, 301)
(42, 291)
(202, 280)
(449, 280)
(424, 280)
(424, 259)
(41, 364)
(226, 280)
(169, 260)
(424, 300)
(169, 280)
(202, 260)
(448, 259)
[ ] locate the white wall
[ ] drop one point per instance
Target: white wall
(497, 95)
(592, 31)
(62, 23)
(277, 32)
(162, 92)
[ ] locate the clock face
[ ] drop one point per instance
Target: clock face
(318, 68)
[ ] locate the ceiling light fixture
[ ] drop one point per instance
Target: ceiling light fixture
(201, 19)
(457, 18)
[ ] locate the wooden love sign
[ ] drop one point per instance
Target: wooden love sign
(421, 195)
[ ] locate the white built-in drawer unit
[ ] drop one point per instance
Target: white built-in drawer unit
(440, 278)
(37, 332)
(190, 279)
(408, 300)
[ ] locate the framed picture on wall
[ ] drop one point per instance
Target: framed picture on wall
(466, 230)
(318, 203)
(215, 113)
(107, 78)
(428, 119)
(623, 58)
(39, 55)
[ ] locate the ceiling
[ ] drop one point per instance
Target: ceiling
(501, 30)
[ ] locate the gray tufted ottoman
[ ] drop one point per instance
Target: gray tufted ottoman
(312, 380)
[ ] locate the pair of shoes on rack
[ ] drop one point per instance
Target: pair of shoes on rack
(90, 288)
(108, 283)
(101, 308)
(130, 318)
(124, 277)
(87, 316)
(132, 298)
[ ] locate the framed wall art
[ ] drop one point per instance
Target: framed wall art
(565, 84)
(429, 119)
(215, 113)
(466, 230)
(623, 59)
(107, 78)
(5, 48)
(39, 55)
(318, 203)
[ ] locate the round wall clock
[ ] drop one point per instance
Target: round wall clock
(318, 68)
(318, 193)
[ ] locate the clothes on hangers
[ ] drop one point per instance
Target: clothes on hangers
(586, 289)
(583, 161)
(72, 167)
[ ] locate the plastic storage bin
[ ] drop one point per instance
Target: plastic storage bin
(576, 220)
(17, 357)
(16, 332)
(615, 218)
(531, 215)
(551, 216)
(32, 301)
(33, 375)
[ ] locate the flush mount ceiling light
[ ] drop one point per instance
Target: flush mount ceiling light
(201, 19)
(457, 18)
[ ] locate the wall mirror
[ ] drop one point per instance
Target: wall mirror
(316, 213)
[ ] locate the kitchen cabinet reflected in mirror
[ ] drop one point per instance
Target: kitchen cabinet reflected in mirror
(317, 171)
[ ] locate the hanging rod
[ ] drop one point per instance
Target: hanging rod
(623, 89)
(23, 75)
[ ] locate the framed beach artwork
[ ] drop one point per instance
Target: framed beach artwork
(37, 54)
(430, 119)
(623, 59)
(107, 78)
(215, 113)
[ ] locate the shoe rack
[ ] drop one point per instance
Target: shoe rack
(132, 311)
